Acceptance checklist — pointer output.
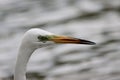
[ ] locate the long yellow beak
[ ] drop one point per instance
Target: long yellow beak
(70, 40)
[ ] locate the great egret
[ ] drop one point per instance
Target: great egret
(37, 38)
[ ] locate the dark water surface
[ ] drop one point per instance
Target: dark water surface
(95, 20)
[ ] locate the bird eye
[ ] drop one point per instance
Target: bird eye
(43, 38)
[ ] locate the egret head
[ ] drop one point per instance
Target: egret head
(41, 38)
(37, 38)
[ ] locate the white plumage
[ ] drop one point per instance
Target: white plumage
(37, 38)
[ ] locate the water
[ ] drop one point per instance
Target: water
(95, 20)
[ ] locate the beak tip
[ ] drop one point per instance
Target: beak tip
(92, 43)
(87, 42)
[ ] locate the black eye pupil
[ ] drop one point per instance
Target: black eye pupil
(42, 38)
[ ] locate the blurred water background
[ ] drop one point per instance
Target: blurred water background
(95, 20)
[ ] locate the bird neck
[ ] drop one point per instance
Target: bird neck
(22, 60)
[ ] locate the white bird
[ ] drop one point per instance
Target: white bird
(38, 38)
